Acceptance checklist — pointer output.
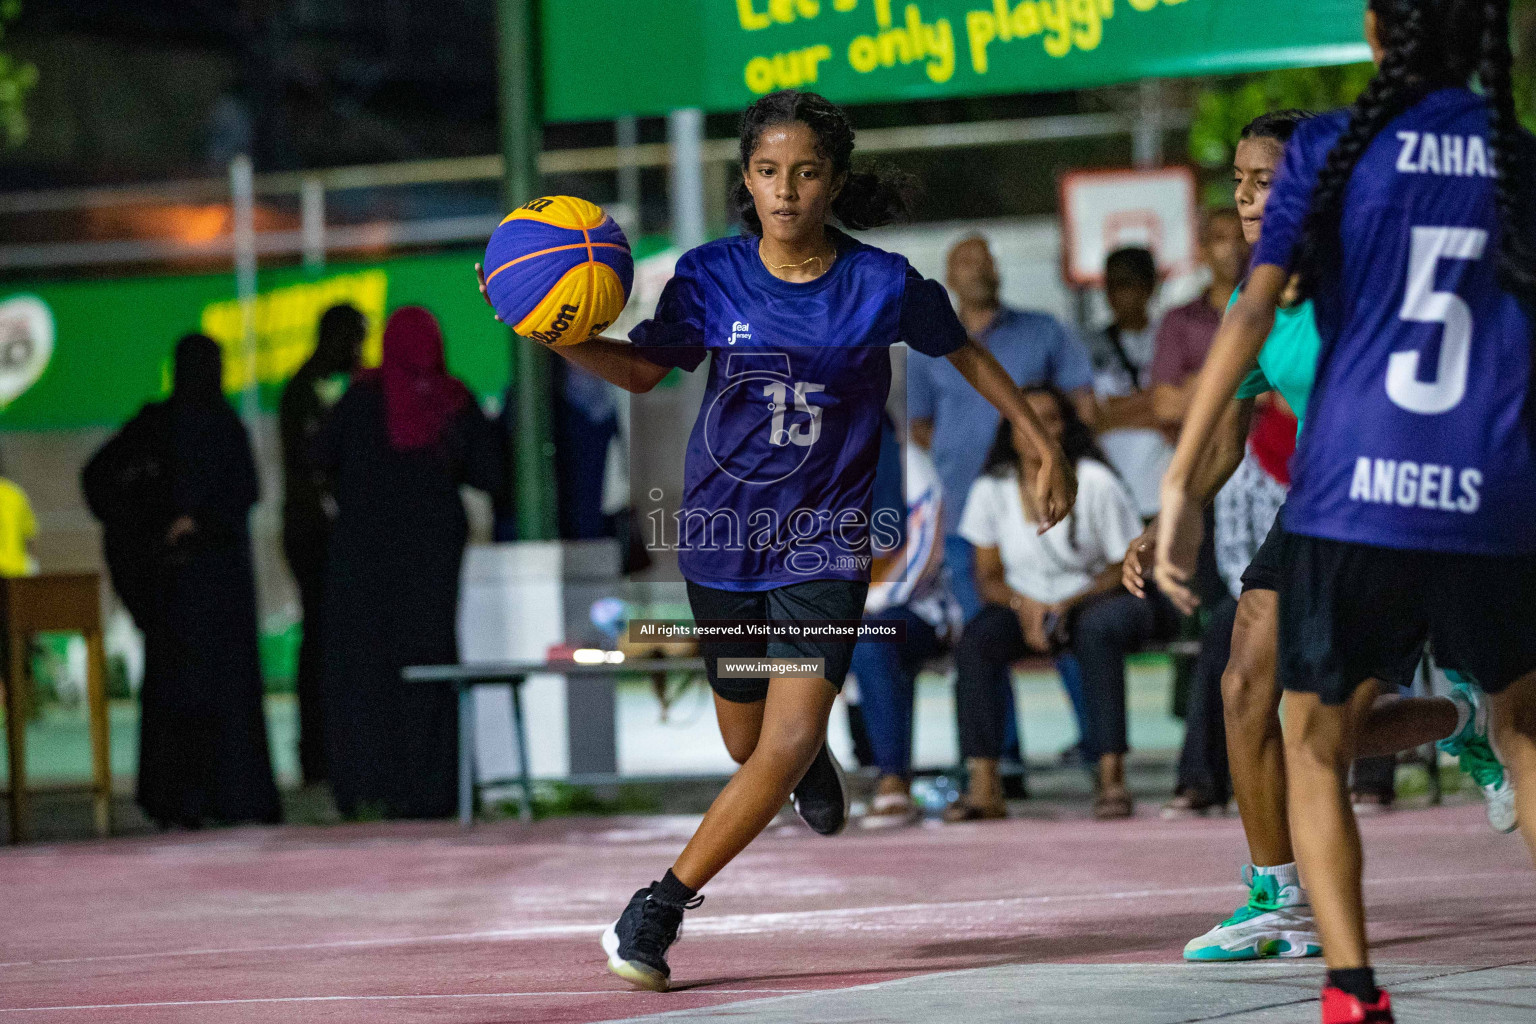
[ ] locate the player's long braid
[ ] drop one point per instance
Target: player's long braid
(1394, 88)
(1512, 157)
(870, 198)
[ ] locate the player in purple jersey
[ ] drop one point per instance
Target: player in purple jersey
(1410, 516)
(1277, 920)
(797, 318)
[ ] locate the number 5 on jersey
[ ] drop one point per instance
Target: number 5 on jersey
(1423, 304)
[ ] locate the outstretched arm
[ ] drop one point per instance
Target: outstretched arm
(1223, 452)
(1055, 486)
(617, 362)
(1233, 352)
(1220, 460)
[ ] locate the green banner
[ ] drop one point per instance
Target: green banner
(607, 58)
(90, 353)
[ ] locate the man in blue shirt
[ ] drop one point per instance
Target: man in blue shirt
(955, 423)
(957, 430)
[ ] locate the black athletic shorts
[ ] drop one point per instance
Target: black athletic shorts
(1352, 612)
(1263, 573)
(836, 600)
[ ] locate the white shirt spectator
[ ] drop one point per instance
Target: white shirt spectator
(1062, 562)
(918, 582)
(1139, 455)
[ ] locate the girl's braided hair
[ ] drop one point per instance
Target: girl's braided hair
(1431, 44)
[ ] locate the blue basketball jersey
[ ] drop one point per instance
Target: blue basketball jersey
(1419, 433)
(781, 462)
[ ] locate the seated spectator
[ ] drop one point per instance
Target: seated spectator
(907, 587)
(951, 420)
(1183, 340)
(1045, 593)
(955, 424)
(1185, 335)
(1129, 431)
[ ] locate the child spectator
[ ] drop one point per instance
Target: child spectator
(1129, 431)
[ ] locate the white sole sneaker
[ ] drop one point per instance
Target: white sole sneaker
(635, 973)
(1283, 934)
(1473, 748)
(1502, 816)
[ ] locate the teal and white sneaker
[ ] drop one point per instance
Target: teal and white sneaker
(1473, 748)
(1275, 922)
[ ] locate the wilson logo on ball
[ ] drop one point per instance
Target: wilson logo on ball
(558, 328)
(558, 270)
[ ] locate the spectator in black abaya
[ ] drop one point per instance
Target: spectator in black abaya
(397, 448)
(309, 507)
(174, 489)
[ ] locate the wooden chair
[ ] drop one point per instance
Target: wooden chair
(64, 603)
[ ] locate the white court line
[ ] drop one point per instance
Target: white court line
(741, 924)
(355, 999)
(726, 924)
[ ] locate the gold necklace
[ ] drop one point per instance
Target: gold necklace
(796, 266)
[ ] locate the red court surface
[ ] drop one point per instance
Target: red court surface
(428, 923)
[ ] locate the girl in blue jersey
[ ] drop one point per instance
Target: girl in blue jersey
(1410, 514)
(798, 318)
(1277, 918)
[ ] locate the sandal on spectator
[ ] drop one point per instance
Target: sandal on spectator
(890, 810)
(1190, 804)
(1113, 805)
(964, 810)
(1367, 804)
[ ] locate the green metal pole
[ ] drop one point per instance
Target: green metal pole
(521, 140)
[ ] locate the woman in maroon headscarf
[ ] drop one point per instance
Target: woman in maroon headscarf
(398, 446)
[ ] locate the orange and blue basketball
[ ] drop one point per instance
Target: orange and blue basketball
(558, 270)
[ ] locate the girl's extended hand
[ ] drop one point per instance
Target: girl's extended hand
(1055, 489)
(484, 293)
(1139, 558)
(1180, 529)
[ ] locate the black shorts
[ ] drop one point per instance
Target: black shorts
(1352, 612)
(837, 600)
(1263, 573)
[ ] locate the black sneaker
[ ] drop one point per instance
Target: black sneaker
(822, 796)
(638, 941)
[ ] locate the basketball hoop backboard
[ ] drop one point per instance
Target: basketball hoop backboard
(1102, 211)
